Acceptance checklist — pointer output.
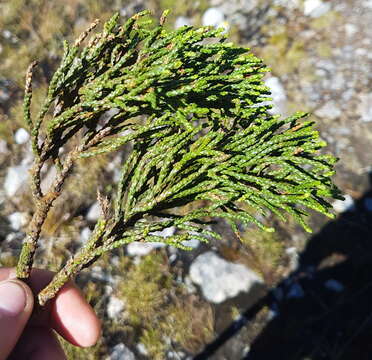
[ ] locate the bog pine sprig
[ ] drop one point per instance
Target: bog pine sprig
(192, 109)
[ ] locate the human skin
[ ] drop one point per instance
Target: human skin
(31, 333)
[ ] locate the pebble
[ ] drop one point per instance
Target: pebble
(21, 136)
(329, 110)
(121, 352)
(334, 285)
(219, 279)
(368, 204)
(4, 92)
(213, 17)
(15, 179)
(182, 21)
(365, 108)
(193, 243)
(85, 235)
(17, 220)
(293, 257)
(115, 307)
(341, 206)
(278, 94)
(295, 291)
(316, 8)
(94, 212)
(137, 248)
(3, 147)
(141, 348)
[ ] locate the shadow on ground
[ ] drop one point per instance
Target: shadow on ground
(324, 309)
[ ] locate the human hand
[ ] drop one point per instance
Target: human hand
(27, 335)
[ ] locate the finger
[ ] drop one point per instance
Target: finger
(69, 313)
(16, 303)
(38, 343)
(74, 319)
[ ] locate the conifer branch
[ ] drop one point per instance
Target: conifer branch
(194, 109)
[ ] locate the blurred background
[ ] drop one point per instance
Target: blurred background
(286, 295)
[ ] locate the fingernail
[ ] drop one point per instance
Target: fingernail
(12, 298)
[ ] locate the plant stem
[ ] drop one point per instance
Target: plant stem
(71, 268)
(42, 209)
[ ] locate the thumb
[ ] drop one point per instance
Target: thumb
(16, 303)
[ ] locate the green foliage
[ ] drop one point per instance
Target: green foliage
(160, 309)
(192, 108)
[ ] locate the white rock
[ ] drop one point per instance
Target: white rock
(137, 248)
(115, 307)
(94, 212)
(278, 94)
(85, 235)
(98, 274)
(21, 136)
(329, 110)
(365, 107)
(15, 179)
(193, 243)
(351, 29)
(121, 352)
(182, 21)
(219, 279)
(17, 220)
(3, 147)
(368, 4)
(213, 17)
(316, 8)
(141, 348)
(166, 232)
(334, 285)
(341, 206)
(293, 257)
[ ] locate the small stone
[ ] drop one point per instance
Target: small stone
(341, 206)
(121, 352)
(141, 348)
(365, 107)
(295, 291)
(368, 4)
(94, 212)
(277, 93)
(17, 220)
(98, 274)
(316, 8)
(115, 307)
(15, 179)
(182, 21)
(329, 110)
(175, 355)
(166, 232)
(3, 147)
(192, 243)
(21, 136)
(368, 204)
(351, 29)
(219, 279)
(293, 258)
(4, 92)
(213, 17)
(334, 285)
(137, 248)
(85, 235)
